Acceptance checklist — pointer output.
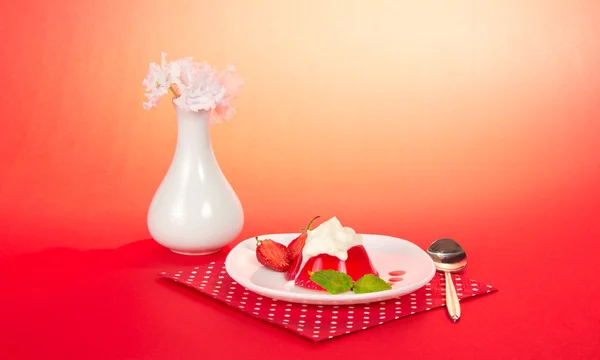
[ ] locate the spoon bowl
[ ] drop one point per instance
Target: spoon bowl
(449, 257)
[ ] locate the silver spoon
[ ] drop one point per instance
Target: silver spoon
(449, 257)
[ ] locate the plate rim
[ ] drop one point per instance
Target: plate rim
(325, 298)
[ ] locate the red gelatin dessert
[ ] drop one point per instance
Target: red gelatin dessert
(330, 246)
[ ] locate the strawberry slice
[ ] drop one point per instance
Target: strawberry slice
(356, 266)
(273, 255)
(295, 247)
(308, 284)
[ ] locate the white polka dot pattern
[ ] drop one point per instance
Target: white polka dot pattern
(320, 322)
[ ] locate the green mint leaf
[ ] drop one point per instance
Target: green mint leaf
(333, 281)
(370, 283)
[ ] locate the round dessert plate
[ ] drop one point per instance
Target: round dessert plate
(388, 255)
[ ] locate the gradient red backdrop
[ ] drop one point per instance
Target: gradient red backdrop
(472, 119)
(418, 119)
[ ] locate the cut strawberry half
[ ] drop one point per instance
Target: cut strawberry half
(295, 250)
(295, 247)
(356, 266)
(273, 255)
(308, 284)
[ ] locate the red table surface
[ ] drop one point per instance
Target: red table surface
(109, 304)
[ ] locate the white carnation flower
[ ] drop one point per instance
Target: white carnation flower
(195, 85)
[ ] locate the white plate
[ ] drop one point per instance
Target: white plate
(387, 254)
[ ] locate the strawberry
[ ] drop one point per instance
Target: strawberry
(307, 283)
(273, 255)
(295, 247)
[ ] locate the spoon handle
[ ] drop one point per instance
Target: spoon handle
(452, 302)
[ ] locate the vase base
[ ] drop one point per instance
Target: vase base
(195, 253)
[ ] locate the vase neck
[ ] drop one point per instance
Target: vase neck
(193, 133)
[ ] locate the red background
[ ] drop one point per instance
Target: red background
(477, 120)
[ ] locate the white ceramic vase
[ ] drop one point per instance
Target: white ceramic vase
(194, 211)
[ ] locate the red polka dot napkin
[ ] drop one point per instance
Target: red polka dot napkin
(320, 322)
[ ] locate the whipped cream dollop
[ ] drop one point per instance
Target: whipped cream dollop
(330, 238)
